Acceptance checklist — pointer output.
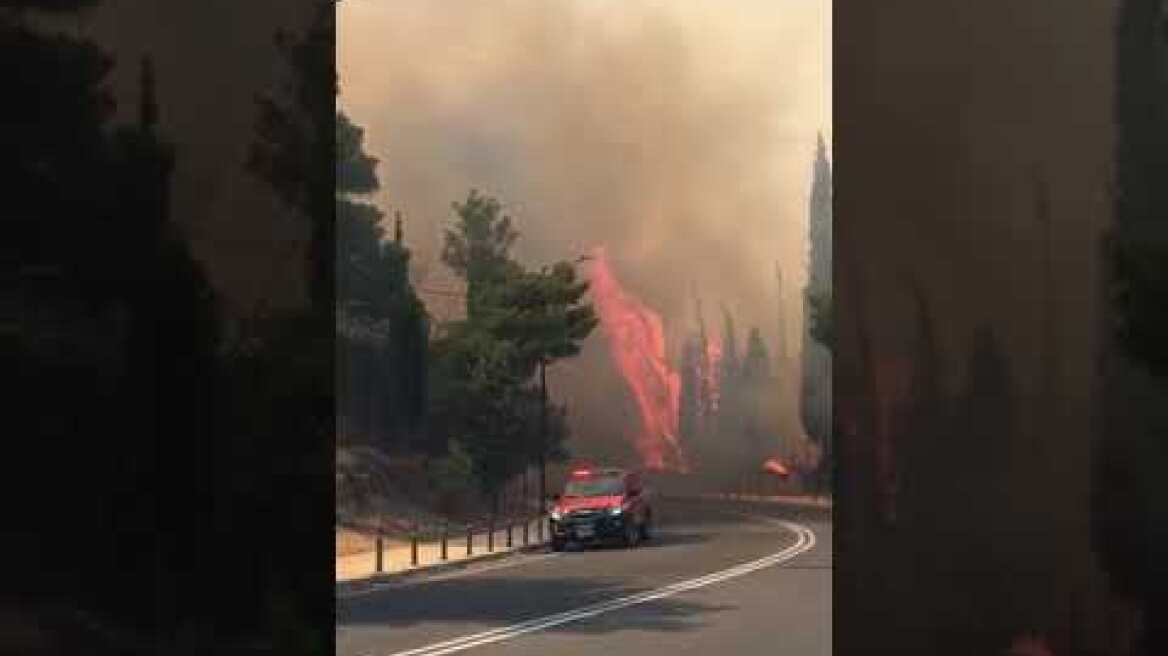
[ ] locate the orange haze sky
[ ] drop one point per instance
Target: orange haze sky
(679, 134)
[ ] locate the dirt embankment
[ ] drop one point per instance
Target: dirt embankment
(350, 542)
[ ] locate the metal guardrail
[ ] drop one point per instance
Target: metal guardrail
(517, 532)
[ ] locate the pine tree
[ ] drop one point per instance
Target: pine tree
(756, 385)
(384, 338)
(518, 322)
(478, 248)
(816, 390)
(730, 365)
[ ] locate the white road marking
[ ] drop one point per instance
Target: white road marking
(805, 541)
(508, 562)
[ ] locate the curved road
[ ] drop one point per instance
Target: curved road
(717, 578)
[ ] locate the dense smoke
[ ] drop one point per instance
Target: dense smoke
(678, 135)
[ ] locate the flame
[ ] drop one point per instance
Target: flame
(636, 341)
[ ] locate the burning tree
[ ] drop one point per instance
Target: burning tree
(636, 338)
(727, 414)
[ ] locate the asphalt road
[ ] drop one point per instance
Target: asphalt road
(718, 578)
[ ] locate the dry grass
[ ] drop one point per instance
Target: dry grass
(353, 542)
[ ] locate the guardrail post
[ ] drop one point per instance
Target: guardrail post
(491, 535)
(444, 532)
(380, 566)
(469, 540)
(510, 541)
(414, 548)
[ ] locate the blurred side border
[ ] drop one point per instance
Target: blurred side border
(999, 278)
(169, 475)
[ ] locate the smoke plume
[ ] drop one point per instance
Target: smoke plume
(680, 135)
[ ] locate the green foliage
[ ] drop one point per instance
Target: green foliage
(816, 389)
(475, 401)
(382, 346)
(483, 397)
(822, 325)
(541, 314)
(453, 473)
(477, 247)
(356, 171)
(480, 241)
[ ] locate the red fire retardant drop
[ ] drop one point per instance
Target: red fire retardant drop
(636, 341)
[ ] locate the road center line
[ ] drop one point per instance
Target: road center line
(805, 540)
